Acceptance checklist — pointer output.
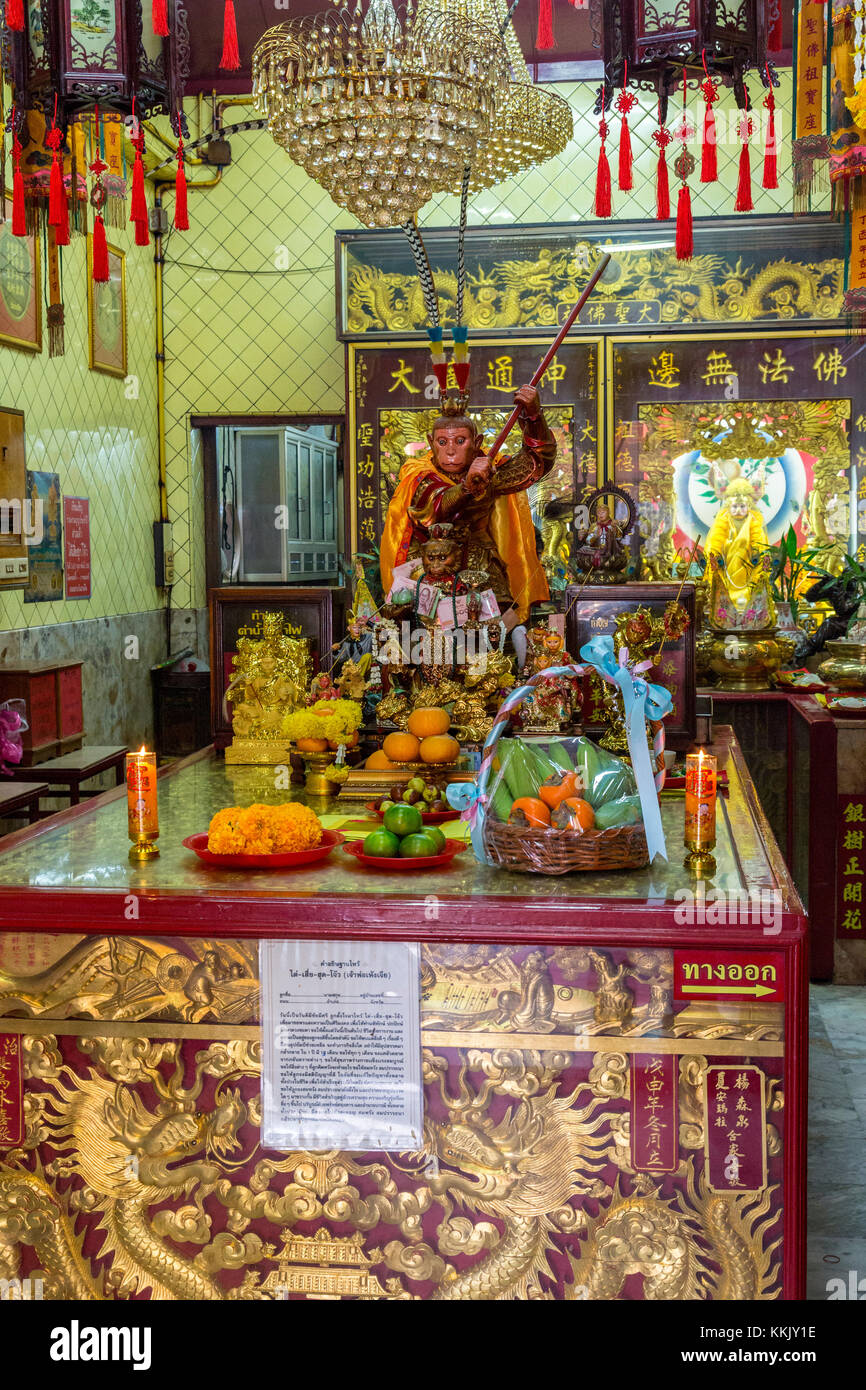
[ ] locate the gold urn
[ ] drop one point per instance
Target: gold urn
(745, 660)
(845, 668)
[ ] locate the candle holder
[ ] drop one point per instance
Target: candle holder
(141, 806)
(700, 826)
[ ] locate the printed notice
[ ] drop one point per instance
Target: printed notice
(341, 1031)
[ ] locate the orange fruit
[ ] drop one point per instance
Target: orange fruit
(439, 748)
(378, 760)
(401, 748)
(529, 811)
(574, 814)
(426, 723)
(312, 745)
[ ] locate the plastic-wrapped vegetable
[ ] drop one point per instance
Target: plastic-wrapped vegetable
(563, 768)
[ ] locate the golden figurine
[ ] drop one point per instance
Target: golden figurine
(599, 554)
(270, 677)
(736, 551)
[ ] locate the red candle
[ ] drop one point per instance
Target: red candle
(700, 830)
(141, 802)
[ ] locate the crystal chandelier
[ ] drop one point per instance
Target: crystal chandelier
(382, 107)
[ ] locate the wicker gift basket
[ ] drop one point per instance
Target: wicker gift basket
(523, 849)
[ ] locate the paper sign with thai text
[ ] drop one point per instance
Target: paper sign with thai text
(654, 1141)
(76, 543)
(735, 1128)
(733, 975)
(341, 1036)
(11, 1092)
(850, 866)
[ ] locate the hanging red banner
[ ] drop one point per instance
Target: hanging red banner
(654, 1140)
(11, 1092)
(735, 1128)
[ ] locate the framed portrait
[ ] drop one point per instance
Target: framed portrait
(593, 611)
(106, 314)
(20, 297)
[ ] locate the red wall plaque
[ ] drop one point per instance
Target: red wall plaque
(76, 544)
(733, 975)
(654, 1137)
(11, 1092)
(735, 1128)
(850, 866)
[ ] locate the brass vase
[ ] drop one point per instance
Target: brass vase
(317, 784)
(845, 668)
(745, 660)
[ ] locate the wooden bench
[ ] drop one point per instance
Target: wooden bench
(72, 769)
(21, 798)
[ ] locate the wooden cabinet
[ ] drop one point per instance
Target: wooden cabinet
(51, 691)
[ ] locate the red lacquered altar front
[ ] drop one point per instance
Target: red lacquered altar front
(614, 1070)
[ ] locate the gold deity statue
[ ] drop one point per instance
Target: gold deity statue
(739, 565)
(270, 677)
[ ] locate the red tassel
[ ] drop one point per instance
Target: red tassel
(61, 230)
(56, 196)
(774, 37)
(744, 182)
(685, 236)
(544, 37)
(625, 160)
(15, 15)
(663, 190)
(138, 201)
(771, 176)
(159, 13)
(231, 58)
(709, 161)
(19, 212)
(99, 250)
(181, 214)
(602, 184)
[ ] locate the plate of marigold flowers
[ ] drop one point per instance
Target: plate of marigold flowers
(264, 837)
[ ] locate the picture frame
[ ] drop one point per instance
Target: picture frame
(592, 611)
(20, 287)
(106, 314)
(308, 611)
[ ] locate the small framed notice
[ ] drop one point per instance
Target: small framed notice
(341, 1035)
(76, 543)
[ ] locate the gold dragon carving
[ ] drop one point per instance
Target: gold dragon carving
(517, 1164)
(537, 291)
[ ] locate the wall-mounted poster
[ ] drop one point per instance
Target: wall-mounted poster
(76, 546)
(46, 555)
(20, 300)
(106, 314)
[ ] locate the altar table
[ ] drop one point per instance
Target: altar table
(614, 1080)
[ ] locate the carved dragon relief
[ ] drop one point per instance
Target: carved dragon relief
(136, 1149)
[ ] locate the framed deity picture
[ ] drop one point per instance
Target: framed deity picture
(598, 610)
(106, 314)
(20, 297)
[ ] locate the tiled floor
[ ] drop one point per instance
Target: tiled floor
(837, 1136)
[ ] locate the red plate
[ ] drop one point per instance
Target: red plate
(198, 845)
(846, 711)
(427, 817)
(430, 861)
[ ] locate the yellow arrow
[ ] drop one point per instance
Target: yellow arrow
(757, 990)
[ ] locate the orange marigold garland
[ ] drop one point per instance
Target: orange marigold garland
(262, 829)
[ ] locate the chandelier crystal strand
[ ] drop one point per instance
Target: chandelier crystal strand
(383, 107)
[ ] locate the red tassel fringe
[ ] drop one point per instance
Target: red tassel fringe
(663, 190)
(19, 212)
(181, 213)
(771, 175)
(231, 58)
(15, 15)
(101, 272)
(602, 185)
(159, 14)
(56, 194)
(138, 201)
(61, 230)
(544, 37)
(709, 161)
(685, 234)
(774, 37)
(744, 182)
(625, 159)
